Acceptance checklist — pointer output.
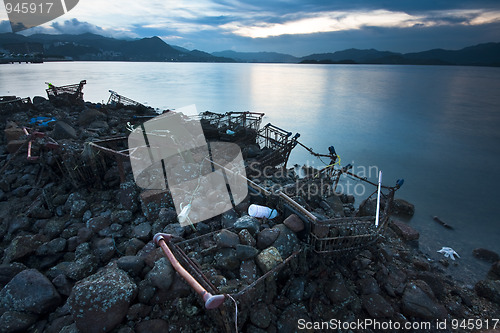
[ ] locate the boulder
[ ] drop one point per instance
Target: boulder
(286, 242)
(486, 255)
(247, 222)
(226, 238)
(419, 301)
(30, 292)
(404, 231)
(294, 223)
(63, 130)
(489, 289)
(266, 237)
(99, 302)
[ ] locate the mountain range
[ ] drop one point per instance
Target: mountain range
(95, 47)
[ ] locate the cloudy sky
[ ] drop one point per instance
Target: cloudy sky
(295, 27)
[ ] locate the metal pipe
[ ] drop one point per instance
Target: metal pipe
(211, 301)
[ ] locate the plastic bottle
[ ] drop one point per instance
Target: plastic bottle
(262, 211)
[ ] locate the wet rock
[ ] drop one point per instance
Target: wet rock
(244, 252)
(22, 246)
(31, 292)
(99, 302)
(403, 207)
(260, 315)
(59, 323)
(266, 237)
(226, 238)
(404, 230)
(294, 223)
(268, 259)
(377, 306)
(437, 285)
(494, 273)
(247, 222)
(105, 249)
(14, 321)
(489, 289)
(162, 274)
(225, 258)
(246, 238)
(133, 246)
(419, 301)
(131, 264)
(175, 229)
(152, 326)
(146, 291)
(486, 255)
(142, 231)
(286, 242)
(248, 271)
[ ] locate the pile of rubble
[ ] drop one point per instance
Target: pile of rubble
(77, 251)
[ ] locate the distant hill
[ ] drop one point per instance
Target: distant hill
(480, 55)
(95, 47)
(271, 57)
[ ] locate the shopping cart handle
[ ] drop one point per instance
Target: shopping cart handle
(211, 301)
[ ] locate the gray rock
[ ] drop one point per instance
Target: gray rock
(63, 131)
(297, 289)
(162, 274)
(377, 306)
(175, 229)
(29, 291)
(247, 222)
(400, 206)
(419, 301)
(337, 291)
(121, 216)
(131, 264)
(142, 231)
(229, 218)
(248, 271)
(489, 289)
(404, 231)
(78, 208)
(54, 246)
(244, 252)
(22, 246)
(486, 255)
(98, 223)
(266, 237)
(8, 271)
(99, 302)
(105, 249)
(260, 315)
(14, 321)
(226, 259)
(286, 242)
(226, 238)
(63, 284)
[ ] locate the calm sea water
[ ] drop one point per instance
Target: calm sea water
(437, 127)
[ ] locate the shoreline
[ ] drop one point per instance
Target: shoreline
(79, 237)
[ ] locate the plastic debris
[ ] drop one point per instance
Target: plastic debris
(449, 253)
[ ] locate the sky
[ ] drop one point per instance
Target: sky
(294, 27)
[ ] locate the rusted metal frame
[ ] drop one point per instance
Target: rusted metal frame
(25, 100)
(119, 158)
(272, 271)
(211, 301)
(73, 89)
(119, 99)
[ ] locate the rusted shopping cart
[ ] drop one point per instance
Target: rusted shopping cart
(72, 91)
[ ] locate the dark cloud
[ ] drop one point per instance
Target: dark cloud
(75, 27)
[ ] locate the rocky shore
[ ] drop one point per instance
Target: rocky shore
(77, 253)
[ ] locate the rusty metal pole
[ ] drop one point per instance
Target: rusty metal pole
(211, 301)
